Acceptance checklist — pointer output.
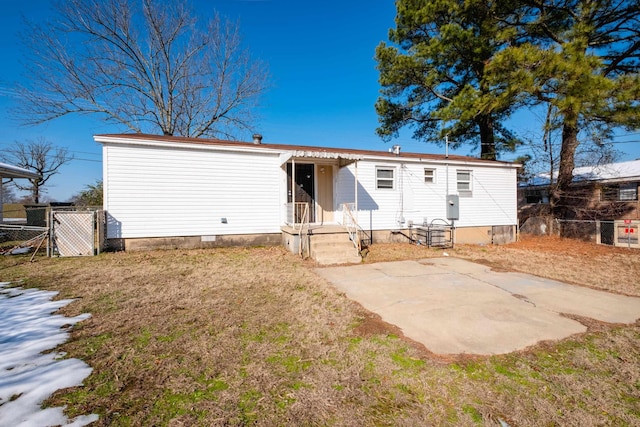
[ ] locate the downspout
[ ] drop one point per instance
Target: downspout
(401, 219)
(446, 196)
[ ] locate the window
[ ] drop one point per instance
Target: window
(384, 178)
(608, 194)
(464, 180)
(430, 176)
(628, 192)
(536, 196)
(623, 193)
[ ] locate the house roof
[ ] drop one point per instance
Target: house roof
(10, 171)
(295, 150)
(610, 172)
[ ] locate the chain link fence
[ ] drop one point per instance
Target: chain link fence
(623, 233)
(69, 231)
(20, 239)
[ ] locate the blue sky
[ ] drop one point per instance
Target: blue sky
(324, 83)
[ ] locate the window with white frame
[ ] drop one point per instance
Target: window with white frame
(384, 178)
(619, 193)
(463, 180)
(429, 176)
(628, 192)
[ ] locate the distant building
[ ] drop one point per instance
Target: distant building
(12, 172)
(605, 196)
(603, 192)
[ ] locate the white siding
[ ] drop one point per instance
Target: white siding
(378, 209)
(424, 201)
(163, 192)
(493, 200)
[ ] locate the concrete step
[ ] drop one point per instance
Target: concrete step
(332, 245)
(334, 237)
(327, 250)
(328, 246)
(333, 248)
(337, 258)
(333, 254)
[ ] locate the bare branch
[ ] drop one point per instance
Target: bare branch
(151, 67)
(39, 156)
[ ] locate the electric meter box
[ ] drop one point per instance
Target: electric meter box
(453, 207)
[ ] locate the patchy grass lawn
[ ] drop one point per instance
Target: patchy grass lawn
(253, 337)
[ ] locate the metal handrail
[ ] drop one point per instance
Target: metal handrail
(303, 232)
(296, 213)
(351, 224)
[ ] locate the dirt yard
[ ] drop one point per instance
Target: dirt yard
(252, 336)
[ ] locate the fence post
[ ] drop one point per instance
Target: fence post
(628, 231)
(50, 237)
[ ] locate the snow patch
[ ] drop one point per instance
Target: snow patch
(28, 377)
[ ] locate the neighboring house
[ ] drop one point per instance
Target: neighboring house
(605, 196)
(12, 172)
(605, 192)
(163, 191)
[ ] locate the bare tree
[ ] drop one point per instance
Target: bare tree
(595, 148)
(150, 66)
(39, 156)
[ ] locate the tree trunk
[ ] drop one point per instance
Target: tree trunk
(487, 139)
(560, 196)
(36, 192)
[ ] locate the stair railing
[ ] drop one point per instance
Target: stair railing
(303, 231)
(351, 224)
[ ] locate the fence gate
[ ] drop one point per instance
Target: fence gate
(73, 233)
(607, 233)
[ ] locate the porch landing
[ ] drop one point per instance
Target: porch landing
(316, 229)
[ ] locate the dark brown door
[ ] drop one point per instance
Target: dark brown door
(304, 188)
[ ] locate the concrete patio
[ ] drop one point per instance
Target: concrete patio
(453, 306)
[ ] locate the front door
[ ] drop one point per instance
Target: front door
(325, 194)
(304, 188)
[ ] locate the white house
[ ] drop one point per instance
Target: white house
(165, 191)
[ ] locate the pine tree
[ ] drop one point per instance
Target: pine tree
(432, 76)
(582, 57)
